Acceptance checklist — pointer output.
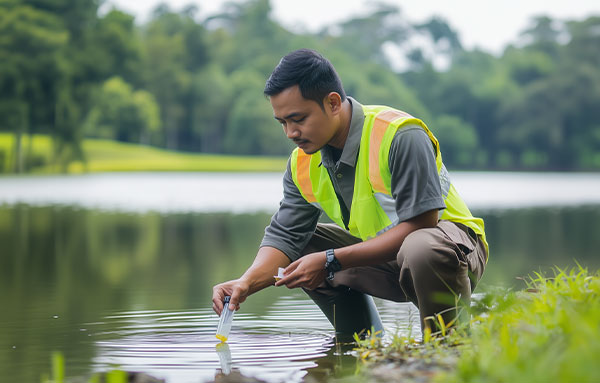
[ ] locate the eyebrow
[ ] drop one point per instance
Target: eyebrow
(291, 115)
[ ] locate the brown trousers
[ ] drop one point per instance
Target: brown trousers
(436, 269)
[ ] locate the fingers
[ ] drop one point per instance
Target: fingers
(289, 274)
(285, 281)
(301, 277)
(238, 293)
(234, 303)
(217, 299)
(288, 280)
(292, 280)
(222, 290)
(292, 266)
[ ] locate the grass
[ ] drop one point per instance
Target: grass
(112, 376)
(549, 332)
(112, 156)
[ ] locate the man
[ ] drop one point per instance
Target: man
(401, 230)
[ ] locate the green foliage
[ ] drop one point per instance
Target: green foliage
(458, 140)
(58, 367)
(123, 114)
(548, 332)
(30, 44)
(251, 128)
(531, 107)
(119, 48)
(210, 113)
(58, 373)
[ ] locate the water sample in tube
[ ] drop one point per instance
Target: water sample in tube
(225, 321)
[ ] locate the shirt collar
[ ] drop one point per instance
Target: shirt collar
(350, 150)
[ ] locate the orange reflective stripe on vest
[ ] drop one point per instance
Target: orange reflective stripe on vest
(380, 125)
(303, 175)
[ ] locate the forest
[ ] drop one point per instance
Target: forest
(190, 84)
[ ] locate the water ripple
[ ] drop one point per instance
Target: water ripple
(181, 347)
(290, 340)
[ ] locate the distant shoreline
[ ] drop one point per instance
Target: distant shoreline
(114, 156)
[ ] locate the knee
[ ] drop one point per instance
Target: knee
(418, 249)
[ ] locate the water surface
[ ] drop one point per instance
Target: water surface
(252, 192)
(117, 270)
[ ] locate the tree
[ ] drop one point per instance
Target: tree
(30, 44)
(122, 114)
(458, 141)
(174, 48)
(251, 128)
(117, 47)
(213, 94)
(543, 35)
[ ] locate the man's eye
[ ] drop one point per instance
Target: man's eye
(299, 120)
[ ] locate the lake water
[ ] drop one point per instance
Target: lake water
(117, 270)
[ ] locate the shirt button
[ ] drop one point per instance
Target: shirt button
(339, 175)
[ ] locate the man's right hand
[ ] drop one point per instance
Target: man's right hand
(257, 277)
(237, 289)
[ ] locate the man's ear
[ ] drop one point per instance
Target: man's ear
(334, 102)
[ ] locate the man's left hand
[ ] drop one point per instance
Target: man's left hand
(307, 272)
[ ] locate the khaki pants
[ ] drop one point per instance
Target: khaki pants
(435, 269)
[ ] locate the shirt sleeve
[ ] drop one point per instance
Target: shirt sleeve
(294, 223)
(415, 182)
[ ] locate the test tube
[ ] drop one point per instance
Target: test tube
(225, 321)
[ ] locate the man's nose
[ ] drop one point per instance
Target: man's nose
(291, 132)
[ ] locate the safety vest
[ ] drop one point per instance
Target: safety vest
(373, 209)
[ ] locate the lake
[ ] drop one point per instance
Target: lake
(117, 270)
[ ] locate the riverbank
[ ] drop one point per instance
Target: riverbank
(113, 156)
(548, 332)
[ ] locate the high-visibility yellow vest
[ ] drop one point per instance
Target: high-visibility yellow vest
(373, 209)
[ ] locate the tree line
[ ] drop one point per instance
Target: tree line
(195, 84)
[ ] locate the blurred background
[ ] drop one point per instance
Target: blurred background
(187, 79)
(140, 164)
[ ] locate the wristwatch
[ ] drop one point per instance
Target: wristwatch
(332, 265)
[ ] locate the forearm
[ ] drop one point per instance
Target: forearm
(260, 274)
(384, 247)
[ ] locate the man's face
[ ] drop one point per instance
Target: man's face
(303, 121)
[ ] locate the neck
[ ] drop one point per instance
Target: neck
(345, 118)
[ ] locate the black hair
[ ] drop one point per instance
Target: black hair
(314, 74)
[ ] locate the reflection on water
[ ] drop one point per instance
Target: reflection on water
(224, 354)
(133, 290)
(292, 340)
(526, 240)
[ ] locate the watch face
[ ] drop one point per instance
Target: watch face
(329, 255)
(332, 264)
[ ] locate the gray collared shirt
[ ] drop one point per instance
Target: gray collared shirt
(415, 185)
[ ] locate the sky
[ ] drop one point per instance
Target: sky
(489, 25)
